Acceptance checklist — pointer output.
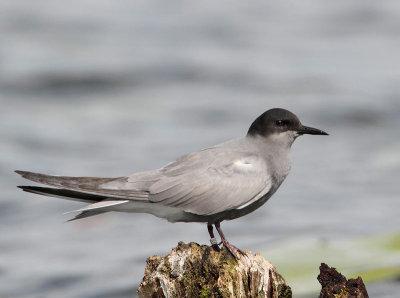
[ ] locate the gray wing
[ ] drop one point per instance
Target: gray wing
(110, 187)
(211, 181)
(205, 182)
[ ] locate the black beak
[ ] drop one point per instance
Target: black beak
(306, 130)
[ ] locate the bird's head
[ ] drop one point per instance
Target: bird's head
(282, 126)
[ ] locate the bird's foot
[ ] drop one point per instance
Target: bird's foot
(214, 244)
(233, 249)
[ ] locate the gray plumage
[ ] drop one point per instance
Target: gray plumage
(226, 181)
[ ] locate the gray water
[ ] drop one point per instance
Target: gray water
(108, 88)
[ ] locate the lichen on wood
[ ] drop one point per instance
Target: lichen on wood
(193, 270)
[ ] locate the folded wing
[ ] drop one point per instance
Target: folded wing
(108, 187)
(196, 185)
(204, 183)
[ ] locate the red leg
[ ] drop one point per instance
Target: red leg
(231, 248)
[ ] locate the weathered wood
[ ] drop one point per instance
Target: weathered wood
(335, 284)
(193, 270)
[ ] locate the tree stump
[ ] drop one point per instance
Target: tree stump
(193, 270)
(335, 284)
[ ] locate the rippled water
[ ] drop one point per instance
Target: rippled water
(108, 88)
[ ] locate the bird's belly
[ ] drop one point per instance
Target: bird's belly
(236, 213)
(172, 214)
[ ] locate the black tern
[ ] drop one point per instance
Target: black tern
(219, 183)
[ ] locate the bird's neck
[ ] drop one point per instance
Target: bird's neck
(282, 140)
(276, 150)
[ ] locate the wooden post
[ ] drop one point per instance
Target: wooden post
(193, 270)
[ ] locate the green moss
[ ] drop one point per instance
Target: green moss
(201, 271)
(207, 273)
(341, 294)
(204, 293)
(284, 291)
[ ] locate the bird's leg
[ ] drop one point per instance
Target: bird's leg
(213, 240)
(231, 248)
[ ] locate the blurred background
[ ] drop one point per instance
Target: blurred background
(108, 88)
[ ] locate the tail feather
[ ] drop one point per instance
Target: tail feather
(65, 181)
(86, 189)
(89, 185)
(85, 214)
(63, 193)
(103, 205)
(99, 204)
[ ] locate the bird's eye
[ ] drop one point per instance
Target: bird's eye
(280, 122)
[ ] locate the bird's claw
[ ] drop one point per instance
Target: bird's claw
(234, 250)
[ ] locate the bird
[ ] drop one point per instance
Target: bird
(219, 183)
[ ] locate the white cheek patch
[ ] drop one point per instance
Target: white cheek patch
(280, 136)
(285, 138)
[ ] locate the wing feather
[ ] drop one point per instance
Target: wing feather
(231, 175)
(206, 183)
(110, 187)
